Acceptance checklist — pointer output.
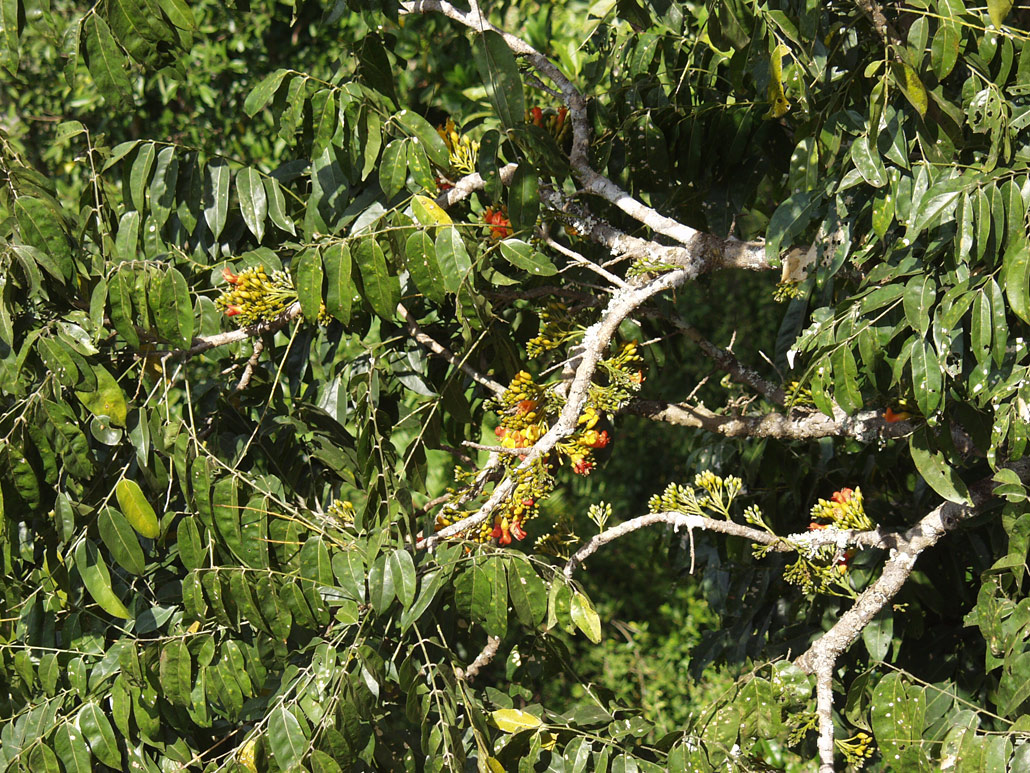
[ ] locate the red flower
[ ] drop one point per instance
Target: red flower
(501, 431)
(517, 531)
(443, 184)
(232, 311)
(229, 276)
(842, 496)
(582, 466)
(525, 406)
(594, 439)
(816, 526)
(538, 116)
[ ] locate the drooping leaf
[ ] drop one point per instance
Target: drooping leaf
(106, 61)
(382, 290)
(336, 260)
(500, 73)
(120, 540)
(253, 201)
(936, 471)
(585, 617)
(97, 579)
(137, 509)
(307, 278)
(452, 257)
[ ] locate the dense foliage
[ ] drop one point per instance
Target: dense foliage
(349, 350)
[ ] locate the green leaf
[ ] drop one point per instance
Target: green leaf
(790, 220)
(225, 508)
(381, 584)
(349, 571)
(897, 715)
(452, 258)
(264, 92)
(323, 120)
(99, 734)
(523, 200)
(423, 267)
(191, 549)
(919, 297)
(216, 196)
(176, 672)
(935, 471)
(41, 228)
(868, 162)
(472, 593)
(139, 175)
(1015, 276)
(106, 62)
(927, 377)
(500, 74)
(403, 570)
(121, 540)
(179, 14)
(97, 579)
(277, 207)
(911, 86)
(137, 509)
(393, 170)
(107, 399)
(382, 290)
(878, 634)
(174, 310)
(528, 593)
(425, 136)
(336, 260)
(10, 32)
(253, 201)
(286, 738)
(73, 753)
(162, 186)
(585, 618)
(522, 255)
(998, 10)
(307, 278)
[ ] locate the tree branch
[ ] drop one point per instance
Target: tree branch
(865, 425)
(203, 343)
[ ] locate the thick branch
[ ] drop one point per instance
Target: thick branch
(483, 659)
(203, 343)
(865, 425)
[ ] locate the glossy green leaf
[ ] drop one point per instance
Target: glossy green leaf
(514, 720)
(868, 162)
(452, 257)
(349, 570)
(286, 738)
(107, 399)
(522, 255)
(935, 470)
(176, 672)
(10, 31)
(382, 290)
(585, 618)
(307, 278)
(277, 207)
(264, 92)
(97, 579)
(137, 509)
(919, 297)
(981, 324)
(393, 169)
(789, 221)
(216, 196)
(106, 62)
(382, 585)
(998, 10)
(253, 201)
(425, 136)
(41, 227)
(927, 379)
(1015, 276)
(500, 73)
(162, 186)
(120, 540)
(191, 548)
(528, 593)
(422, 265)
(225, 508)
(523, 200)
(97, 730)
(403, 570)
(71, 749)
(999, 319)
(173, 311)
(336, 261)
(897, 715)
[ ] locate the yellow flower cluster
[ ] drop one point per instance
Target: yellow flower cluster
(858, 749)
(557, 326)
(463, 150)
(252, 296)
(844, 510)
(342, 512)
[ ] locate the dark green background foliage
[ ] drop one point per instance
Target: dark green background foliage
(149, 144)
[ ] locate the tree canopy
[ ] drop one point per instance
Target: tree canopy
(363, 364)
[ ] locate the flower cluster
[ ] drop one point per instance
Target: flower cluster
(844, 510)
(557, 326)
(253, 296)
(857, 750)
(500, 225)
(717, 497)
(787, 291)
(462, 149)
(625, 374)
(341, 512)
(554, 122)
(798, 395)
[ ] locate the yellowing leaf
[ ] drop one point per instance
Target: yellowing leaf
(513, 720)
(107, 399)
(429, 212)
(585, 618)
(998, 10)
(780, 104)
(136, 508)
(912, 87)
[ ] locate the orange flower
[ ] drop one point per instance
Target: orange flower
(582, 466)
(538, 116)
(891, 417)
(594, 439)
(232, 311)
(229, 276)
(500, 226)
(816, 526)
(842, 496)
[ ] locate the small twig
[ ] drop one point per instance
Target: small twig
(496, 449)
(441, 351)
(248, 370)
(578, 259)
(203, 343)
